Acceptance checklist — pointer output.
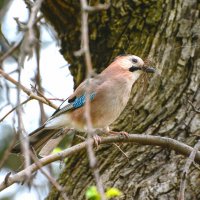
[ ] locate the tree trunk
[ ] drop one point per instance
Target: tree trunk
(167, 32)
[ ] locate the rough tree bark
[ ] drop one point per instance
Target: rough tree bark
(168, 32)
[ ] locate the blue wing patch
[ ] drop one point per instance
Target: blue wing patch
(80, 101)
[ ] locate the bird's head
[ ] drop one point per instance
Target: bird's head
(133, 63)
(128, 67)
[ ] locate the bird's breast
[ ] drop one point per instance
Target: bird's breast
(110, 100)
(106, 111)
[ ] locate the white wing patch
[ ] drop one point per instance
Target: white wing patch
(61, 121)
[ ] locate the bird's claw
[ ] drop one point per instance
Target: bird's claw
(97, 140)
(123, 133)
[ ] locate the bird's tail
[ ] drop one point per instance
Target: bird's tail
(38, 139)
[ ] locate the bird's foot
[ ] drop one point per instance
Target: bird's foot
(123, 133)
(97, 140)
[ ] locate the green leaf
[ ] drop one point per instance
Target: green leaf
(92, 193)
(113, 192)
(56, 150)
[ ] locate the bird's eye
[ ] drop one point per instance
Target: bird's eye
(134, 60)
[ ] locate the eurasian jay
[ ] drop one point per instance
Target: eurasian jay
(108, 94)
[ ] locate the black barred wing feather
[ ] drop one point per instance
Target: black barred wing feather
(77, 103)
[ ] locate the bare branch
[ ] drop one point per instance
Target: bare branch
(86, 51)
(22, 103)
(188, 163)
(117, 146)
(21, 130)
(39, 93)
(163, 142)
(10, 51)
(29, 39)
(85, 38)
(193, 107)
(56, 99)
(26, 90)
(50, 178)
(98, 7)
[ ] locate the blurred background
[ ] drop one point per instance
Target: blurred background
(11, 14)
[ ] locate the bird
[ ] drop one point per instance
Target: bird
(108, 94)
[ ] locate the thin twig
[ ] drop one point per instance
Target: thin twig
(10, 51)
(80, 137)
(188, 163)
(56, 99)
(43, 117)
(196, 165)
(24, 140)
(193, 107)
(33, 17)
(98, 7)
(26, 90)
(118, 147)
(86, 51)
(163, 142)
(50, 178)
(38, 92)
(29, 39)
(22, 103)
(85, 37)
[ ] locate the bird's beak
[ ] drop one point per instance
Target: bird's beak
(149, 69)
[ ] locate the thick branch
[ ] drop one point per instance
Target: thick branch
(163, 142)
